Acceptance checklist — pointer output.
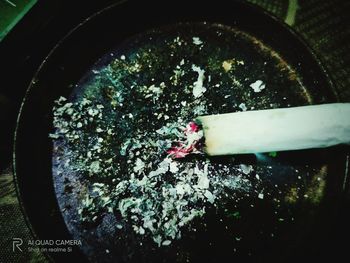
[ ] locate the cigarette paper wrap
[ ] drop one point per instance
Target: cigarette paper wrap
(295, 128)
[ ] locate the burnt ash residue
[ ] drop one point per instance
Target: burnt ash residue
(130, 109)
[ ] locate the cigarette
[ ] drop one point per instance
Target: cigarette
(283, 129)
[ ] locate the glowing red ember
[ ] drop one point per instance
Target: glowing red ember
(189, 143)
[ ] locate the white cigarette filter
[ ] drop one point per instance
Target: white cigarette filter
(305, 127)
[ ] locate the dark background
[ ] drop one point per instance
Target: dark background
(324, 24)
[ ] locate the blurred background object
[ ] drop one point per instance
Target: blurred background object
(11, 13)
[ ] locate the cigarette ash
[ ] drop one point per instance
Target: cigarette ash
(129, 124)
(257, 86)
(159, 196)
(190, 141)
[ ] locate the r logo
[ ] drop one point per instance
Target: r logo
(16, 244)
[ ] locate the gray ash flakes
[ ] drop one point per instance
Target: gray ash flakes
(158, 196)
(132, 107)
